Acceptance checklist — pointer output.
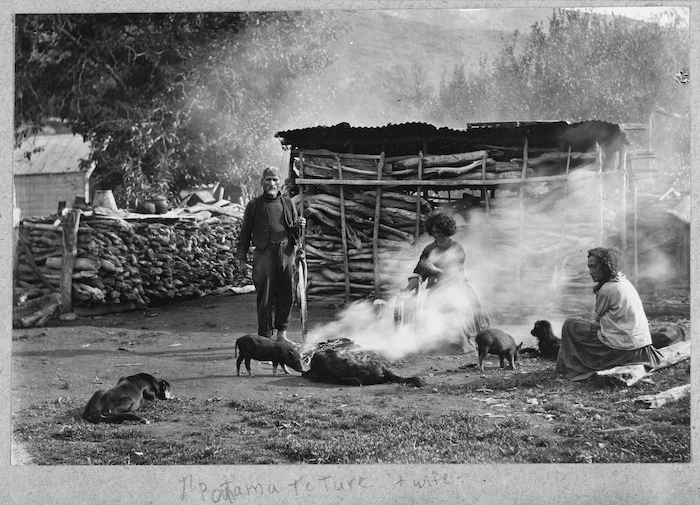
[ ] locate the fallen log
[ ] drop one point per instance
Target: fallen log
(445, 160)
(80, 263)
(36, 312)
(455, 171)
(664, 397)
(30, 259)
(492, 176)
(675, 353)
(577, 158)
(354, 276)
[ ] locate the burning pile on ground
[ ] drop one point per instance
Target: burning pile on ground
(341, 361)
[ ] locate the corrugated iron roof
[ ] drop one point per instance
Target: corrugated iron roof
(50, 154)
(408, 138)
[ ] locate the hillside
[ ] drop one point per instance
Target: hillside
(380, 55)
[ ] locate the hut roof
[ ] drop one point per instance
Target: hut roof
(51, 154)
(409, 138)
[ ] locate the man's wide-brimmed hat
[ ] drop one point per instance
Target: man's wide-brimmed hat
(270, 171)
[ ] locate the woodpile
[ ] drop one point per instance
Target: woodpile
(141, 261)
(353, 232)
(360, 225)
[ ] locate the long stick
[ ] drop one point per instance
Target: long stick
(418, 195)
(32, 263)
(599, 157)
(564, 214)
(302, 267)
(485, 190)
(375, 236)
(343, 232)
(521, 205)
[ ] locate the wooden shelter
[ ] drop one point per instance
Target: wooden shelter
(49, 169)
(367, 191)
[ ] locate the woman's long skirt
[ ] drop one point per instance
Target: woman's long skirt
(582, 354)
(462, 311)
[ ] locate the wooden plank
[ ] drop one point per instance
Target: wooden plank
(623, 199)
(41, 226)
(664, 397)
(418, 196)
(431, 183)
(343, 232)
(485, 192)
(521, 224)
(375, 231)
(30, 259)
(303, 304)
(436, 160)
(71, 222)
(601, 212)
(564, 214)
(322, 153)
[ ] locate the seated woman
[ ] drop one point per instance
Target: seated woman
(441, 264)
(619, 332)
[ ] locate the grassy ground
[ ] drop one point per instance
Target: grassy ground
(532, 416)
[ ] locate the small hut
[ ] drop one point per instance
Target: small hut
(49, 169)
(532, 197)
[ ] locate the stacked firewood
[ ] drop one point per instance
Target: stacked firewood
(324, 243)
(141, 262)
(371, 244)
(475, 165)
(401, 218)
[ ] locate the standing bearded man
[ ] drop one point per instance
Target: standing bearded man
(272, 223)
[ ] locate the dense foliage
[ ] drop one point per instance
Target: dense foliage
(177, 99)
(167, 100)
(580, 66)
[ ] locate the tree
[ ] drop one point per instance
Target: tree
(584, 66)
(167, 100)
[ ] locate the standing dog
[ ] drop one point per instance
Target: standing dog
(498, 342)
(547, 342)
(117, 405)
(280, 352)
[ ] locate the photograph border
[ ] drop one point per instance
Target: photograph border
(326, 484)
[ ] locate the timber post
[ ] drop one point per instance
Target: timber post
(70, 223)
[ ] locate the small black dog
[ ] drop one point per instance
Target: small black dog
(117, 405)
(547, 342)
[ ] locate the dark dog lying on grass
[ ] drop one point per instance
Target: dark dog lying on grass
(118, 404)
(352, 367)
(547, 342)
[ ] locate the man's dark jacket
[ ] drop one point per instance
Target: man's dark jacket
(256, 225)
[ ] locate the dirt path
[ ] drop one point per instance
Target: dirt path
(55, 371)
(191, 344)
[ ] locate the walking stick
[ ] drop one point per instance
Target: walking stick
(301, 285)
(301, 265)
